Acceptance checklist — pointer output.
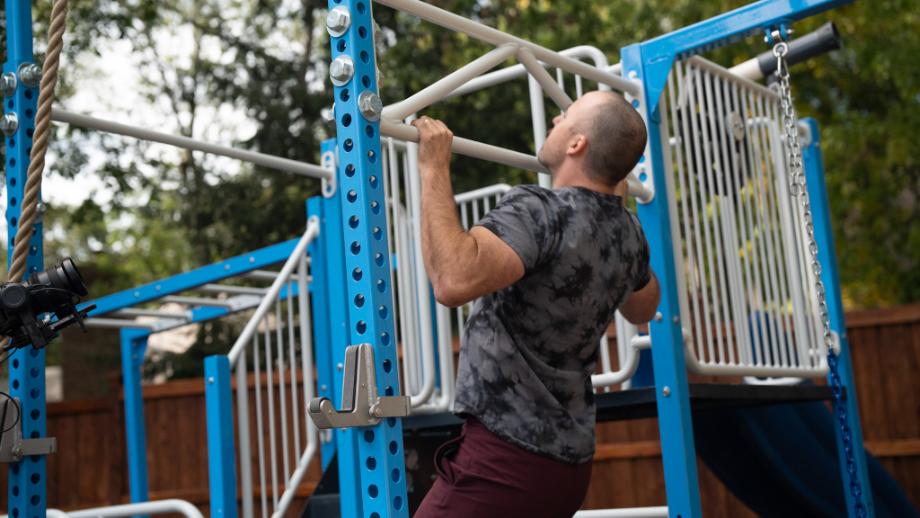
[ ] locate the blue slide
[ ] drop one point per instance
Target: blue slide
(781, 461)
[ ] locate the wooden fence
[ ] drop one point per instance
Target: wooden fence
(90, 466)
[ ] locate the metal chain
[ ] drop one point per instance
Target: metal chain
(798, 189)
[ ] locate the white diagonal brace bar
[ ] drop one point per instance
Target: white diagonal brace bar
(443, 87)
(270, 161)
(549, 85)
(496, 37)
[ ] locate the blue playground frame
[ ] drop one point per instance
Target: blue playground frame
(351, 268)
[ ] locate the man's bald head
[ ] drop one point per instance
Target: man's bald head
(616, 135)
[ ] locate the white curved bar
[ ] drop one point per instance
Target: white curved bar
(628, 366)
(270, 161)
(156, 507)
(487, 34)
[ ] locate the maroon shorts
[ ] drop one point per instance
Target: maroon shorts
(481, 475)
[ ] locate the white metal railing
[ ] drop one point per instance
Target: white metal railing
(635, 512)
(744, 288)
(278, 445)
(170, 506)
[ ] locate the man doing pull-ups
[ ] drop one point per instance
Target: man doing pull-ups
(549, 267)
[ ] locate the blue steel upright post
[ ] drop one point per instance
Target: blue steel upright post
(380, 474)
(820, 209)
(26, 488)
(133, 347)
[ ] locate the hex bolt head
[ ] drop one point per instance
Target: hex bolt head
(370, 105)
(30, 74)
(666, 391)
(8, 84)
(341, 70)
(328, 114)
(338, 21)
(9, 124)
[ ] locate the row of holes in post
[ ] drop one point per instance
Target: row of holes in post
(34, 393)
(357, 274)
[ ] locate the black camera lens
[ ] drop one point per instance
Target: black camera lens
(65, 276)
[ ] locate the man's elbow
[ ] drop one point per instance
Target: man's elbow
(450, 293)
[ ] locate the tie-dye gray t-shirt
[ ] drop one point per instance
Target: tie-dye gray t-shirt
(530, 349)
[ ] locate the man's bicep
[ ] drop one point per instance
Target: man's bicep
(497, 264)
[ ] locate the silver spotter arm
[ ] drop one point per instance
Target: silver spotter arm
(361, 406)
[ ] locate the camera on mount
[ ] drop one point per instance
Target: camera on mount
(26, 308)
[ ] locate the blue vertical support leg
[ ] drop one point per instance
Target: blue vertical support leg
(319, 291)
(133, 346)
(674, 420)
(820, 208)
(26, 487)
(380, 473)
(221, 451)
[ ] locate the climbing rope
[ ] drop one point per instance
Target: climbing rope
(40, 140)
(798, 189)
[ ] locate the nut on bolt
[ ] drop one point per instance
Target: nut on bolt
(370, 105)
(30, 74)
(9, 124)
(338, 20)
(8, 84)
(341, 70)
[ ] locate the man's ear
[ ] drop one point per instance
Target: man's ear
(577, 145)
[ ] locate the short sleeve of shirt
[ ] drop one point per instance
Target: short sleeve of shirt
(526, 222)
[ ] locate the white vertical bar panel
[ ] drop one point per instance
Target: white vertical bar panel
(292, 361)
(282, 400)
(739, 227)
(763, 185)
(694, 252)
(260, 424)
(270, 389)
(727, 217)
(758, 231)
(712, 162)
(707, 276)
(475, 205)
(579, 88)
(242, 413)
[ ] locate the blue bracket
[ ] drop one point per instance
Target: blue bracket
(381, 464)
(658, 54)
(26, 483)
(221, 451)
(820, 208)
(133, 346)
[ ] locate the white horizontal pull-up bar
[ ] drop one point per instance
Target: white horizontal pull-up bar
(270, 161)
(467, 147)
(229, 288)
(496, 37)
(495, 154)
(440, 89)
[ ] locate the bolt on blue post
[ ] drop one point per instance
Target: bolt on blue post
(380, 473)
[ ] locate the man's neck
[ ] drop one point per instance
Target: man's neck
(572, 178)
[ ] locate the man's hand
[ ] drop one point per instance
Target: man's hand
(434, 145)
